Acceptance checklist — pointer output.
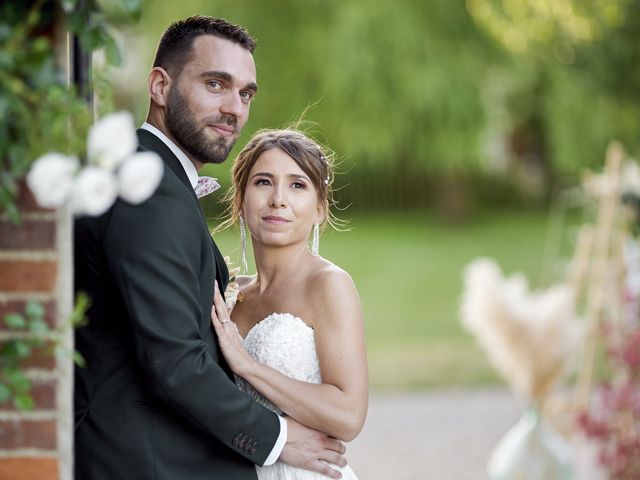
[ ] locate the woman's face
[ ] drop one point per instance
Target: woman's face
(280, 203)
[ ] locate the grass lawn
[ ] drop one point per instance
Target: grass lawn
(408, 269)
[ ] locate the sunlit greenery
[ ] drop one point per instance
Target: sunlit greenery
(412, 94)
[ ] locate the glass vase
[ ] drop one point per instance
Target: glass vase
(531, 450)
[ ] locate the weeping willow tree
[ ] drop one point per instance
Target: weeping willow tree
(413, 92)
(395, 89)
(573, 70)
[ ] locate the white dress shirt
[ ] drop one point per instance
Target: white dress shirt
(192, 175)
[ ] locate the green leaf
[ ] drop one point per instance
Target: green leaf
(24, 401)
(78, 318)
(13, 214)
(78, 359)
(131, 6)
(112, 51)
(23, 349)
(15, 321)
(34, 310)
(18, 380)
(5, 392)
(38, 326)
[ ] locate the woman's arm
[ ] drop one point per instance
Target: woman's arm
(338, 406)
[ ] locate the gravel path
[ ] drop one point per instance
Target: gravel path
(439, 435)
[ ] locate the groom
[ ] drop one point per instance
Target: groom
(156, 399)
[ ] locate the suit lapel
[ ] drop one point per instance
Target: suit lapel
(148, 141)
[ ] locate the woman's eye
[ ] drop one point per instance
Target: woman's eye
(263, 181)
(298, 185)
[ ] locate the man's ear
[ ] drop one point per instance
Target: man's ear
(159, 85)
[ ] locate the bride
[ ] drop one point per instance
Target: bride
(296, 336)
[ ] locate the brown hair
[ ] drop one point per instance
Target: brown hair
(312, 158)
(176, 44)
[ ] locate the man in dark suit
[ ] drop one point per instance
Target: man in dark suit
(156, 400)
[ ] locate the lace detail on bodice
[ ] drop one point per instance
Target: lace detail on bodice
(285, 343)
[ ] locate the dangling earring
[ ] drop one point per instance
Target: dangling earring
(243, 246)
(315, 240)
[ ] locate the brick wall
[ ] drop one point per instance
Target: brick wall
(35, 263)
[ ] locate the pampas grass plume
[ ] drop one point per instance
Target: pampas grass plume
(529, 337)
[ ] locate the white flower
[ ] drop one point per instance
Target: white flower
(111, 140)
(114, 167)
(51, 177)
(139, 176)
(94, 191)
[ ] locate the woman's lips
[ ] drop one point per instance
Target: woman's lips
(275, 219)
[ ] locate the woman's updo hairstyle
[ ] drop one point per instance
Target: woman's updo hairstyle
(313, 159)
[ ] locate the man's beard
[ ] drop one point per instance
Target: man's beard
(182, 125)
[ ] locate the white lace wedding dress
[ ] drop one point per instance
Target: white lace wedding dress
(285, 343)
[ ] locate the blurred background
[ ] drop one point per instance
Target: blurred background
(459, 126)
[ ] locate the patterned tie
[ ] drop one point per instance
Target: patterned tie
(205, 186)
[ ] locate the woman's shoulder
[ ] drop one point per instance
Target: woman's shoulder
(329, 279)
(331, 290)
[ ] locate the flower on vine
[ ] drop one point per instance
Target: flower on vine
(112, 140)
(93, 191)
(139, 177)
(51, 178)
(114, 168)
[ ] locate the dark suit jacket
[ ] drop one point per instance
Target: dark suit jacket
(155, 400)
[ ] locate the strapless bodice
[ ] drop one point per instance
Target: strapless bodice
(287, 344)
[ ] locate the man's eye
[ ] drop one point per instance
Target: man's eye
(216, 85)
(247, 96)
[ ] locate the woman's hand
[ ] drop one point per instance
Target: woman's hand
(230, 340)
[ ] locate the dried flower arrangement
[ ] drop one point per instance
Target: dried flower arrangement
(530, 337)
(610, 416)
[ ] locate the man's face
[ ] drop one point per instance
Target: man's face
(208, 102)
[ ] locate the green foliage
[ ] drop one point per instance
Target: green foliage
(572, 75)
(30, 330)
(388, 83)
(39, 112)
(437, 87)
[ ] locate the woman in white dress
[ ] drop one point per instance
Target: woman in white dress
(300, 348)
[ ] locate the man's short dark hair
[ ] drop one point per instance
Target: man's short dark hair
(176, 45)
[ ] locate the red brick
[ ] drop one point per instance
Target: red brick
(30, 234)
(28, 468)
(28, 434)
(43, 393)
(42, 357)
(17, 306)
(26, 276)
